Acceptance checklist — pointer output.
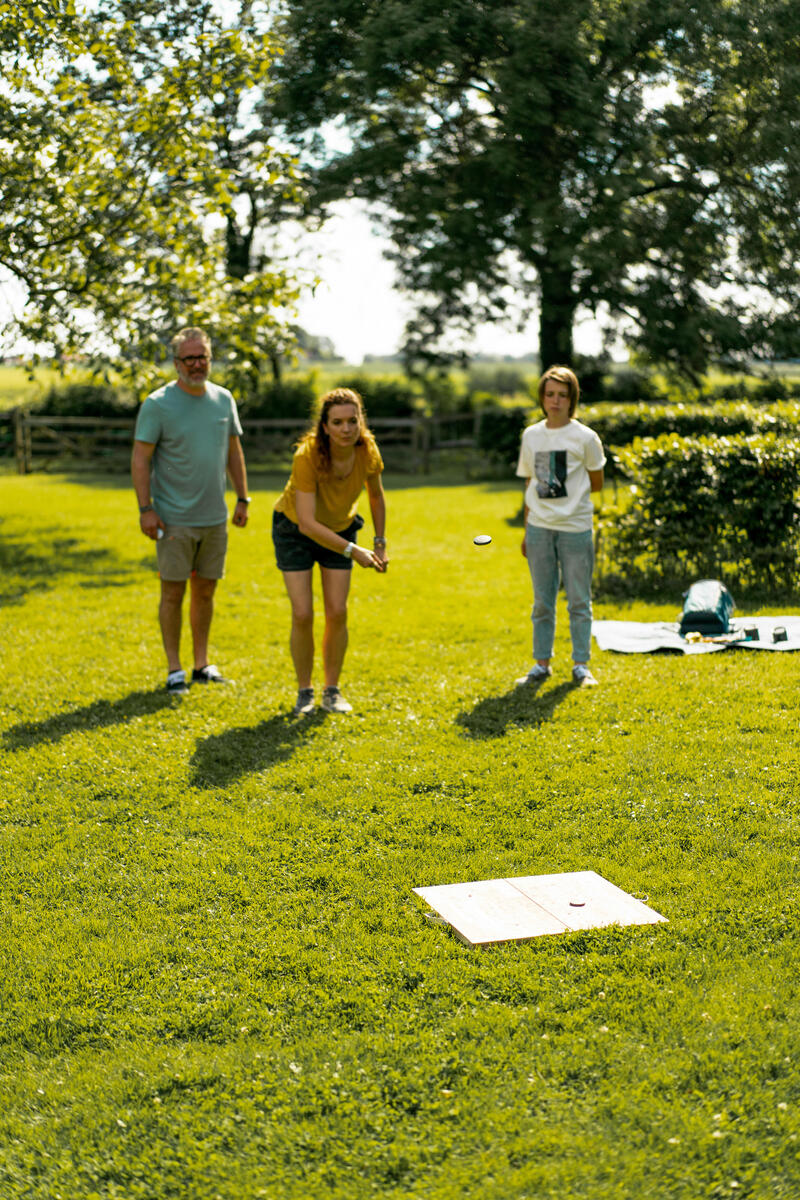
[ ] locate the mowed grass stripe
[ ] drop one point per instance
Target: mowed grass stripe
(216, 980)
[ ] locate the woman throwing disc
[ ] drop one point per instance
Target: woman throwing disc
(315, 520)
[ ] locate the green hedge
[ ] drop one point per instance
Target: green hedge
(500, 433)
(86, 400)
(293, 397)
(620, 424)
(383, 395)
(719, 507)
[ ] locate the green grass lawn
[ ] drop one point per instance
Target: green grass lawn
(216, 981)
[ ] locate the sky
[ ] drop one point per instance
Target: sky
(355, 304)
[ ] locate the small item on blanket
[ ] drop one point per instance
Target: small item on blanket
(751, 633)
(779, 634)
(707, 608)
(724, 639)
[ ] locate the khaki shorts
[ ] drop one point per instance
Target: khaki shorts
(187, 550)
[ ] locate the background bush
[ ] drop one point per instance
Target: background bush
(500, 431)
(384, 395)
(87, 400)
(293, 397)
(724, 508)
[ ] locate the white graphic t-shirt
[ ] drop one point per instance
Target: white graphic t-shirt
(557, 462)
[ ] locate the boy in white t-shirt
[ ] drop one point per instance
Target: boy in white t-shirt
(562, 463)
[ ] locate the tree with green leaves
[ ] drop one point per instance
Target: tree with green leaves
(134, 178)
(632, 157)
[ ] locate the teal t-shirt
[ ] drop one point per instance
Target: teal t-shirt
(192, 436)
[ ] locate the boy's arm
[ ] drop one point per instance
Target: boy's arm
(525, 510)
(595, 451)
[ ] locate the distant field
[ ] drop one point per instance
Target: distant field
(215, 980)
(19, 386)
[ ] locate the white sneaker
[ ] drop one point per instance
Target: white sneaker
(537, 673)
(582, 676)
(177, 683)
(334, 702)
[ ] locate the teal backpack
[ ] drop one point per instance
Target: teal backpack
(707, 608)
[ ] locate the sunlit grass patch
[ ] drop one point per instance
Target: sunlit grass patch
(216, 980)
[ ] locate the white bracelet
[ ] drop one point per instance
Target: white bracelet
(348, 550)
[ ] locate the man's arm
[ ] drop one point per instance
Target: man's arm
(149, 520)
(238, 473)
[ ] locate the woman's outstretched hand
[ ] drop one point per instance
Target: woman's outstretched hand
(368, 558)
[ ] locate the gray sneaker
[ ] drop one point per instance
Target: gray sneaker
(582, 676)
(305, 702)
(334, 702)
(536, 674)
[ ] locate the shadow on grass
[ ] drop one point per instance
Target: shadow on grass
(24, 570)
(220, 759)
(92, 716)
(525, 707)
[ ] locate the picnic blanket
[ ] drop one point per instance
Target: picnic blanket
(645, 637)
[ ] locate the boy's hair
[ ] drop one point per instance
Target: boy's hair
(566, 376)
(190, 334)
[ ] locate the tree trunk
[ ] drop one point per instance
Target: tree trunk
(238, 249)
(556, 317)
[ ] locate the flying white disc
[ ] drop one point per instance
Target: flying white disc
(482, 539)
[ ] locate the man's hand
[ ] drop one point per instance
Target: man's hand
(150, 523)
(240, 513)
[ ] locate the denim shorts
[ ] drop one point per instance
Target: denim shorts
(296, 552)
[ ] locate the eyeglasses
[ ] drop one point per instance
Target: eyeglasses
(194, 358)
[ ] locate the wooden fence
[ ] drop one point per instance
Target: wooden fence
(42, 443)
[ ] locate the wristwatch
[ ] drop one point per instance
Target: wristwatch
(143, 508)
(242, 499)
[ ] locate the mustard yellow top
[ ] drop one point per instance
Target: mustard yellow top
(337, 499)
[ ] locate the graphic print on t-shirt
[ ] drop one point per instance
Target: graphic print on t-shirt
(551, 473)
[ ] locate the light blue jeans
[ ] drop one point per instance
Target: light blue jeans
(573, 553)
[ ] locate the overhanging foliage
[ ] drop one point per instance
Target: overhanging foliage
(132, 174)
(631, 157)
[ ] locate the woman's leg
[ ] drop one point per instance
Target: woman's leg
(576, 552)
(335, 590)
(543, 566)
(301, 640)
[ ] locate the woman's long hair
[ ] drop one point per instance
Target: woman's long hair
(317, 435)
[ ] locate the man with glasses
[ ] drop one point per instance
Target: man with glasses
(187, 438)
